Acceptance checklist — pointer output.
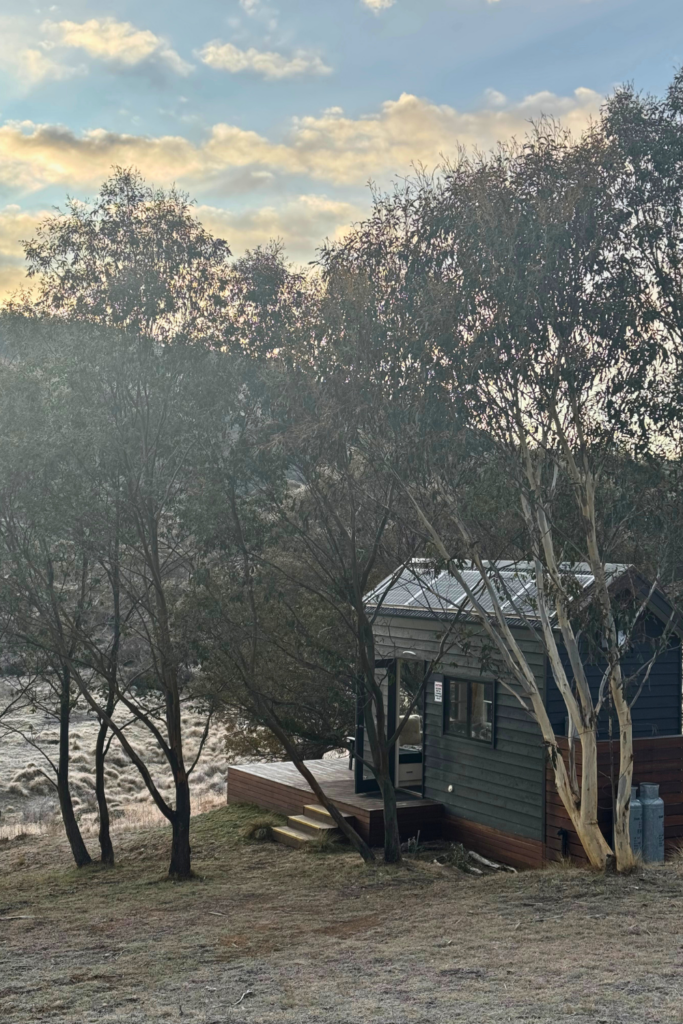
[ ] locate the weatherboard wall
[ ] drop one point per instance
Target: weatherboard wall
(501, 785)
(656, 712)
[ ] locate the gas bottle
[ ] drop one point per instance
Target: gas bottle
(635, 823)
(653, 823)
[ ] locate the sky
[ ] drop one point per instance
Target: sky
(276, 114)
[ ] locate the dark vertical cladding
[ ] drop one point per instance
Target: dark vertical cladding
(656, 712)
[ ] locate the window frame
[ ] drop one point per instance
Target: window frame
(445, 720)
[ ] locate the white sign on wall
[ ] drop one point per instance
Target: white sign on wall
(438, 692)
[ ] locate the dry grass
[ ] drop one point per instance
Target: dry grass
(28, 801)
(260, 827)
(325, 940)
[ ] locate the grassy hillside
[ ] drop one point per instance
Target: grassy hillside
(320, 938)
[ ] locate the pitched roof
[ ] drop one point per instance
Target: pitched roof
(417, 590)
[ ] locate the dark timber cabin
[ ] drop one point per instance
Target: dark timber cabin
(470, 765)
(481, 754)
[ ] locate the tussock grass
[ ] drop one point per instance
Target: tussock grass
(325, 843)
(260, 827)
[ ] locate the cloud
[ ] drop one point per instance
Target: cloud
(330, 147)
(117, 42)
(378, 5)
(260, 10)
(302, 222)
(226, 57)
(25, 59)
(15, 224)
(33, 66)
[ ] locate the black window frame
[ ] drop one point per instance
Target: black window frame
(447, 680)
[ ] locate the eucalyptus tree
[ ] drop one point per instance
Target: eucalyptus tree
(645, 133)
(344, 513)
(506, 295)
(124, 423)
(137, 263)
(148, 405)
(243, 593)
(45, 586)
(136, 257)
(299, 526)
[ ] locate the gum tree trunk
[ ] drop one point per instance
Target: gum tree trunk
(392, 839)
(376, 731)
(343, 825)
(622, 809)
(585, 823)
(106, 846)
(582, 807)
(73, 832)
(584, 484)
(180, 868)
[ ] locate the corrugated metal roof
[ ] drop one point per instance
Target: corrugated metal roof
(418, 589)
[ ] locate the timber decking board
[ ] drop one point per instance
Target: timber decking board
(279, 786)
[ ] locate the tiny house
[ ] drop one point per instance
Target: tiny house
(473, 748)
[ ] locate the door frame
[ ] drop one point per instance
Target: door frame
(370, 785)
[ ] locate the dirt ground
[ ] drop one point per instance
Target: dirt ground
(269, 934)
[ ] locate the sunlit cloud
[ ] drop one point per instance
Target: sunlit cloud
(227, 57)
(302, 223)
(330, 147)
(117, 42)
(379, 5)
(26, 59)
(15, 225)
(34, 66)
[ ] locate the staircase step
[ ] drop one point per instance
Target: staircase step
(312, 826)
(321, 814)
(291, 836)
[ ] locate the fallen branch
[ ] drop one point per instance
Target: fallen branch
(494, 865)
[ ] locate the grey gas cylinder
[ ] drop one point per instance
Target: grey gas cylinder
(635, 822)
(653, 822)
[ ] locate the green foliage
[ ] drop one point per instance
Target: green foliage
(135, 258)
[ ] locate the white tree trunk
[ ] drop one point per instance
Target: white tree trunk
(582, 807)
(622, 808)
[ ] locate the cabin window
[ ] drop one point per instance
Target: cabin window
(468, 709)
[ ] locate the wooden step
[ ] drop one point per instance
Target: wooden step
(312, 826)
(291, 836)
(321, 814)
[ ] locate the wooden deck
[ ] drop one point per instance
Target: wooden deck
(278, 786)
